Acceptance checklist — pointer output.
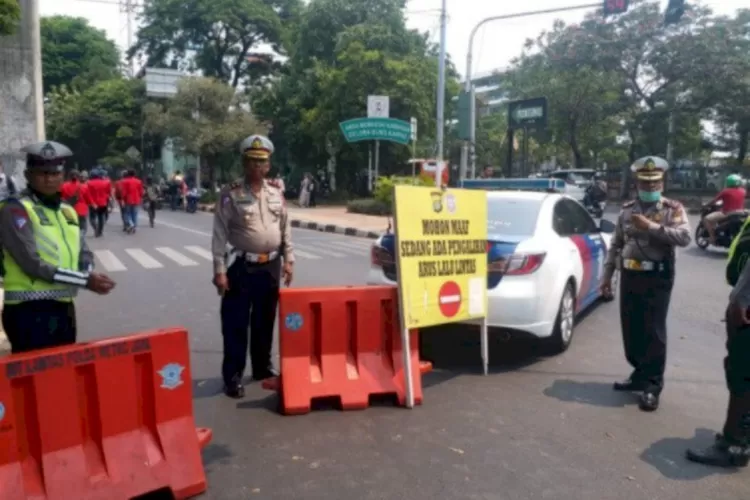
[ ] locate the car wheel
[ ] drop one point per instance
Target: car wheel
(562, 334)
(701, 236)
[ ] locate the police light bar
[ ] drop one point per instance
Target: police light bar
(521, 184)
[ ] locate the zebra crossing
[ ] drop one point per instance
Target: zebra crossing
(162, 257)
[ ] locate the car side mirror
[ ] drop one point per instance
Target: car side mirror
(606, 226)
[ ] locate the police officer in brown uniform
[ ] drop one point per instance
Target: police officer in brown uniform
(252, 251)
(648, 231)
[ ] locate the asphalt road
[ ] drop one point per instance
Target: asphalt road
(536, 428)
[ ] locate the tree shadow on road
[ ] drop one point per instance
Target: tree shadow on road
(668, 457)
(590, 393)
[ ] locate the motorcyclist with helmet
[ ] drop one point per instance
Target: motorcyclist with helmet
(733, 200)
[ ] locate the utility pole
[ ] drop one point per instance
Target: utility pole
(467, 150)
(128, 8)
(441, 89)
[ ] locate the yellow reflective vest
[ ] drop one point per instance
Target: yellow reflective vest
(58, 242)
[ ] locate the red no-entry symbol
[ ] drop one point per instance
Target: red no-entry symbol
(449, 299)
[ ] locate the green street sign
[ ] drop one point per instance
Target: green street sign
(529, 113)
(376, 129)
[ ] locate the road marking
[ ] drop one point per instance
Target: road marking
(143, 258)
(109, 261)
(355, 246)
(176, 256)
(305, 255)
(327, 251)
(200, 251)
(182, 228)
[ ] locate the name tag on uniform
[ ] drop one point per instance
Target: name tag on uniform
(275, 204)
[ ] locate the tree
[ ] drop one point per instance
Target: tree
(76, 54)
(328, 79)
(206, 118)
(658, 66)
(732, 91)
(583, 99)
(214, 37)
(99, 123)
(10, 15)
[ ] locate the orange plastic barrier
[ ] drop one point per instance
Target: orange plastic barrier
(341, 342)
(104, 420)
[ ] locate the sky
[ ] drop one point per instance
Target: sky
(496, 44)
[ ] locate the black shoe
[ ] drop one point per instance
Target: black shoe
(648, 401)
(629, 385)
(264, 374)
(234, 391)
(721, 454)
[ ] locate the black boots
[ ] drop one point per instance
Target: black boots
(731, 448)
(723, 453)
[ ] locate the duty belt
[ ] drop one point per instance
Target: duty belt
(29, 295)
(254, 258)
(642, 265)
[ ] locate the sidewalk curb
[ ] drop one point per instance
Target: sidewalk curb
(319, 226)
(333, 228)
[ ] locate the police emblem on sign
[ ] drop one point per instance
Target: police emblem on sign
(171, 376)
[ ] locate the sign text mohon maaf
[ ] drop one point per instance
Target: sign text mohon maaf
(441, 240)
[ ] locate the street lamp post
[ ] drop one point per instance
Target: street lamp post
(467, 150)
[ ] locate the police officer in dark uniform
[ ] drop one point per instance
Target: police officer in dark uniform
(44, 256)
(731, 448)
(648, 231)
(252, 251)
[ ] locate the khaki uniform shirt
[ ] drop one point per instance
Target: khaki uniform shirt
(669, 228)
(250, 223)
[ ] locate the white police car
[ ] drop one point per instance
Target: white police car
(545, 259)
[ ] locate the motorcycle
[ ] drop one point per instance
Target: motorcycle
(725, 231)
(595, 208)
(191, 199)
(594, 202)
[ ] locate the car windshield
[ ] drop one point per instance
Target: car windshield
(512, 216)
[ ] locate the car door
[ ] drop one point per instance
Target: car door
(591, 249)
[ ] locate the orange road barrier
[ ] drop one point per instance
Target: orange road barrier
(342, 342)
(108, 420)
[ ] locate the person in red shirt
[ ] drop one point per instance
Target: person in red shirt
(120, 201)
(733, 200)
(131, 190)
(100, 190)
(76, 193)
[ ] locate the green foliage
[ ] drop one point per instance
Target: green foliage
(215, 37)
(99, 123)
(369, 206)
(384, 186)
(209, 196)
(76, 54)
(344, 51)
(10, 14)
(206, 117)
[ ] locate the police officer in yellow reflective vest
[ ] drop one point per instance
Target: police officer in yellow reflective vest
(44, 256)
(731, 448)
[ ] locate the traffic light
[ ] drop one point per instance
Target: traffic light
(675, 10)
(612, 7)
